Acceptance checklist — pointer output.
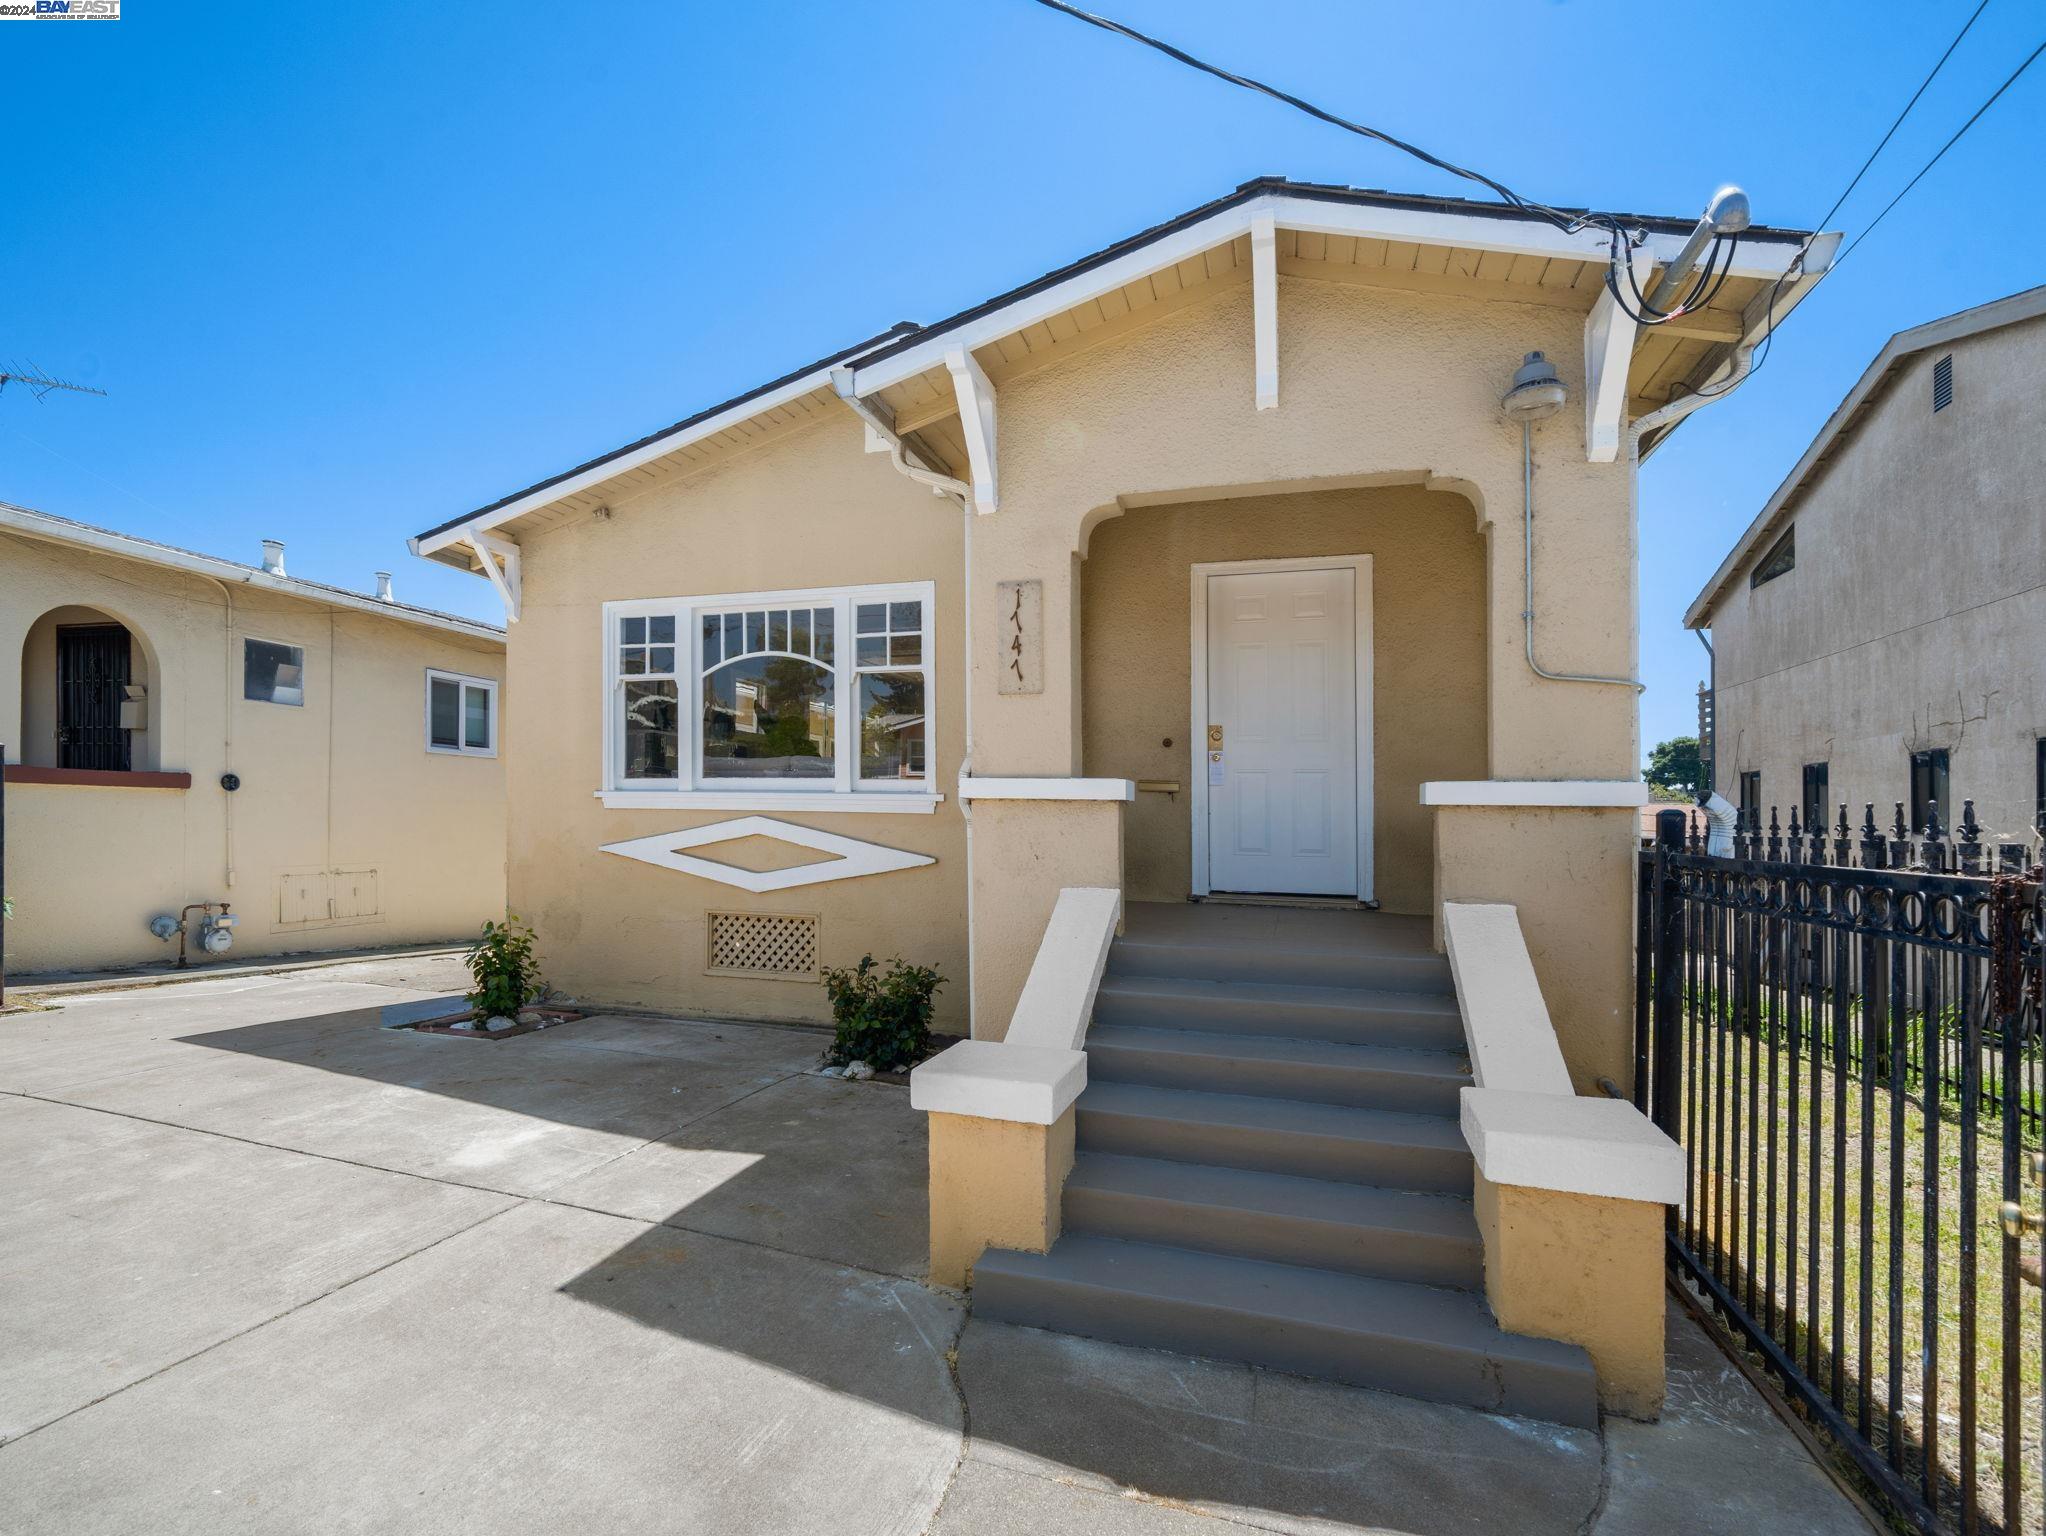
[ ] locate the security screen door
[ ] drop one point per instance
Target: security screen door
(92, 667)
(1282, 688)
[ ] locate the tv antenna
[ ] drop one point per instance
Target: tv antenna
(40, 384)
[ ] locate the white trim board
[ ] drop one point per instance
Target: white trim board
(855, 858)
(871, 802)
(1367, 881)
(975, 788)
(1589, 794)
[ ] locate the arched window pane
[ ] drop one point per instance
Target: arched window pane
(768, 717)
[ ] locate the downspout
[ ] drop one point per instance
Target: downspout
(1710, 765)
(227, 739)
(881, 428)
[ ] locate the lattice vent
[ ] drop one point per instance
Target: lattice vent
(763, 944)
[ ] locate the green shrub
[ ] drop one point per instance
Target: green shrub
(506, 975)
(883, 1019)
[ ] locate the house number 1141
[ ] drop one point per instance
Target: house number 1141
(1019, 621)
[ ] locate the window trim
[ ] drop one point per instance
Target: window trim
(461, 680)
(304, 671)
(843, 792)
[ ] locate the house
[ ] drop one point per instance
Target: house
(189, 738)
(1146, 649)
(1876, 629)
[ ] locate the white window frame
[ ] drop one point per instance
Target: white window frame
(461, 680)
(843, 792)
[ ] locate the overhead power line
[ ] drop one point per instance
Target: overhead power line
(2030, 59)
(1894, 126)
(1638, 309)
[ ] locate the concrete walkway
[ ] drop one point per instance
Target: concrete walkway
(267, 1267)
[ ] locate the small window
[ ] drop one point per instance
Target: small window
(1782, 558)
(1816, 794)
(2039, 772)
(1929, 788)
(461, 714)
(1751, 794)
(273, 673)
(1943, 383)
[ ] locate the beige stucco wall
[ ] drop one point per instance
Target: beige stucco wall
(343, 783)
(809, 509)
(1912, 619)
(1393, 393)
(1570, 874)
(1585, 1270)
(1427, 658)
(994, 1184)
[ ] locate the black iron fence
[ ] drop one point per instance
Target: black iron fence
(1843, 1034)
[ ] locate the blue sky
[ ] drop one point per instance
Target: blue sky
(346, 271)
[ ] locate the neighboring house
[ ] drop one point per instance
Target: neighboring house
(1877, 630)
(1233, 612)
(183, 729)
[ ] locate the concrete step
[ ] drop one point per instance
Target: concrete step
(1397, 1337)
(1317, 1141)
(1393, 1234)
(1359, 1016)
(1266, 1066)
(1195, 956)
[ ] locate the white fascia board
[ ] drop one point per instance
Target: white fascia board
(1057, 1001)
(993, 1080)
(1758, 258)
(1586, 794)
(1506, 1024)
(646, 453)
(56, 530)
(976, 788)
(1579, 1146)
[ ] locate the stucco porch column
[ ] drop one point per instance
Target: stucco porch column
(1035, 826)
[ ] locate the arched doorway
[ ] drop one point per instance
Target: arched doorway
(83, 691)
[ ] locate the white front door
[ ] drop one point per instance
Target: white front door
(1282, 691)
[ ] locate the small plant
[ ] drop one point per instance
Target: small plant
(506, 975)
(883, 1019)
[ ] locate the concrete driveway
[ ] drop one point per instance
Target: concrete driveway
(267, 1267)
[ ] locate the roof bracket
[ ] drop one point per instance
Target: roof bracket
(1608, 351)
(1264, 291)
(488, 549)
(976, 394)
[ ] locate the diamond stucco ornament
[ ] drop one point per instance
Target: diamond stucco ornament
(850, 859)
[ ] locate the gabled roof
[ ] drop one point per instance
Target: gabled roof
(1840, 428)
(52, 529)
(1490, 231)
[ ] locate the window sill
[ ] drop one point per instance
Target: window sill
(104, 778)
(873, 803)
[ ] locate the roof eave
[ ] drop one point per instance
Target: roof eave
(906, 351)
(2015, 309)
(50, 529)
